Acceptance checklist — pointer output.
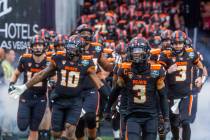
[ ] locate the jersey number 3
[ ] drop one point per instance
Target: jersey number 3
(182, 74)
(73, 78)
(140, 96)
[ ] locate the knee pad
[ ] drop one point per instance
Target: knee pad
(80, 128)
(90, 120)
(44, 135)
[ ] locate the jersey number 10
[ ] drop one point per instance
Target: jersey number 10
(73, 78)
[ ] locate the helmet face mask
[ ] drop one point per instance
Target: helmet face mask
(37, 45)
(178, 41)
(72, 50)
(138, 51)
(75, 46)
(139, 55)
(38, 49)
(178, 47)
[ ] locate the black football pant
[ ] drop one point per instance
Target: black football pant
(144, 130)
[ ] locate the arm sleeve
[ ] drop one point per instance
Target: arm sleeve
(164, 106)
(112, 98)
(20, 65)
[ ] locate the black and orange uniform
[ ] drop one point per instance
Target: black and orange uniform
(142, 110)
(193, 99)
(66, 97)
(179, 82)
(90, 95)
(32, 103)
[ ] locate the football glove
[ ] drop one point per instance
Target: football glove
(17, 90)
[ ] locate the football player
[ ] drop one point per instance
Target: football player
(96, 50)
(142, 80)
(32, 102)
(179, 63)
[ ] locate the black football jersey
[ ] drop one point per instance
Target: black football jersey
(29, 67)
(141, 87)
(71, 75)
(180, 82)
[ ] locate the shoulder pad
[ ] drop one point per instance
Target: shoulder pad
(166, 52)
(125, 65)
(87, 57)
(49, 53)
(155, 66)
(155, 51)
(27, 55)
(107, 50)
(95, 44)
(189, 49)
(60, 53)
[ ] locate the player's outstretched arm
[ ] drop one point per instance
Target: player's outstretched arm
(164, 103)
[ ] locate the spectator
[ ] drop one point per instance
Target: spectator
(7, 64)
